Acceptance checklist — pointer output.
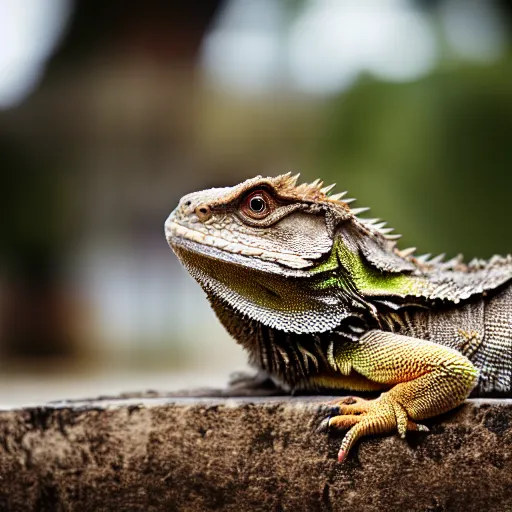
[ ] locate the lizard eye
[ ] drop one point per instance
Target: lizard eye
(257, 205)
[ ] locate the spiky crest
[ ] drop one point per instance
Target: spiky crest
(286, 186)
(384, 254)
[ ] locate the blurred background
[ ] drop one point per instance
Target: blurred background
(111, 111)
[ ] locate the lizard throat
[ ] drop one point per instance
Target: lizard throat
(261, 293)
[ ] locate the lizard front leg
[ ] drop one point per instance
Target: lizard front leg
(427, 379)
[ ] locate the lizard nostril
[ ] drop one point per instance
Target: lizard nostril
(203, 212)
(188, 203)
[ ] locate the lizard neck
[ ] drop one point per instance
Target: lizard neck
(348, 267)
(291, 358)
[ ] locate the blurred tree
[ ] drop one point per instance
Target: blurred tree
(35, 315)
(432, 157)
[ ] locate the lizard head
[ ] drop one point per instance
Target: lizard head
(267, 246)
(267, 223)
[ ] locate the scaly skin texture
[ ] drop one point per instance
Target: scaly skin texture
(321, 298)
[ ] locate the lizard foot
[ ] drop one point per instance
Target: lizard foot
(365, 417)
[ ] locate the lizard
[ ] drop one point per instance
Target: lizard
(323, 298)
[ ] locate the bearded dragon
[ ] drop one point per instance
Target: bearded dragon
(322, 298)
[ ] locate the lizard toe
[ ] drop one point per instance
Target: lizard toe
(324, 425)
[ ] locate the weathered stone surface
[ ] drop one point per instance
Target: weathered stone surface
(200, 454)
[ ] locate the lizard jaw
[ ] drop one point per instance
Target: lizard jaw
(186, 248)
(175, 230)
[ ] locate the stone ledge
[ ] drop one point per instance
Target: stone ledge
(199, 454)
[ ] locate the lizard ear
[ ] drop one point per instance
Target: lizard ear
(378, 251)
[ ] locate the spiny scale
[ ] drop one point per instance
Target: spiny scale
(327, 189)
(338, 196)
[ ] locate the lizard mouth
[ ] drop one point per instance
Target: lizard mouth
(175, 230)
(185, 243)
(216, 247)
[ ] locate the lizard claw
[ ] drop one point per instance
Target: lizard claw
(362, 417)
(324, 425)
(342, 454)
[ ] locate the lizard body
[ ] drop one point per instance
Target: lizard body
(321, 298)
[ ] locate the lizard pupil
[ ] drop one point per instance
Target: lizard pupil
(257, 204)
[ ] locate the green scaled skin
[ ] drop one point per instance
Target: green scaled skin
(368, 280)
(321, 298)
